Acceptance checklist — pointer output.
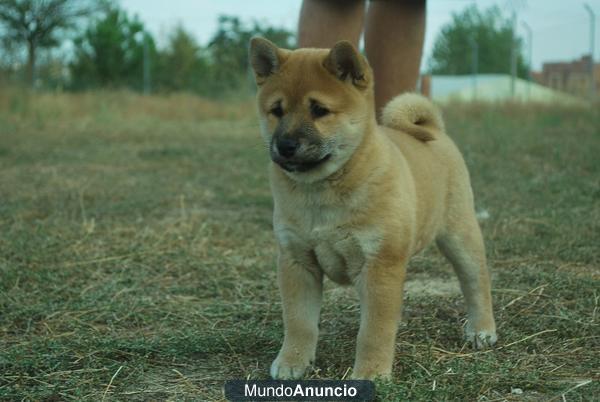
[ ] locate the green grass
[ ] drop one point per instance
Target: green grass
(137, 260)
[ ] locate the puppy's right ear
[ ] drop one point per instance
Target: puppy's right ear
(264, 58)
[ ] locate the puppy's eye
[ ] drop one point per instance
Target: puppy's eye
(318, 111)
(277, 111)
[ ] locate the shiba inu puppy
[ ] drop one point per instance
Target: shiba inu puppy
(354, 200)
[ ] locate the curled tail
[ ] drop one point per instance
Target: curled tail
(415, 115)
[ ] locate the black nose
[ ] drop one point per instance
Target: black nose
(287, 147)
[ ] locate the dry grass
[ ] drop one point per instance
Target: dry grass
(119, 105)
(136, 256)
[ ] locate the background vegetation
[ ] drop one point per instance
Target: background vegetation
(112, 49)
(492, 35)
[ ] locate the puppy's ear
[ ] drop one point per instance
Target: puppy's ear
(265, 58)
(345, 62)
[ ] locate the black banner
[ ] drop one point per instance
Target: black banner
(307, 390)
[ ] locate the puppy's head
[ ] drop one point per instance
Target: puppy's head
(314, 105)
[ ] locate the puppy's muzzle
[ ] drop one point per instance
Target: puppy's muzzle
(297, 154)
(287, 147)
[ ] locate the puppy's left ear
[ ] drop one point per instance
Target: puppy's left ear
(265, 58)
(345, 62)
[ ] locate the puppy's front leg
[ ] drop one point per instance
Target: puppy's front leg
(301, 287)
(380, 289)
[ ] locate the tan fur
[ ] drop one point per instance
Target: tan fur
(385, 193)
(414, 115)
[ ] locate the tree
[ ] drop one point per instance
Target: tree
(228, 49)
(493, 33)
(9, 54)
(111, 52)
(181, 63)
(38, 23)
(218, 68)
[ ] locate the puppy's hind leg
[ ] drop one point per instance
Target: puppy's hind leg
(462, 244)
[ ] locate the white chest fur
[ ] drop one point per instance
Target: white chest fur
(341, 247)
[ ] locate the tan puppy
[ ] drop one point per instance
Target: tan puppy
(354, 200)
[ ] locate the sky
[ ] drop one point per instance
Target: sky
(561, 28)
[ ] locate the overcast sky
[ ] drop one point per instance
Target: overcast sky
(560, 27)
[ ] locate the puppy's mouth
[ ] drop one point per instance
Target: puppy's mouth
(296, 165)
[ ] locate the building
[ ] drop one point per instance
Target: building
(572, 77)
(491, 88)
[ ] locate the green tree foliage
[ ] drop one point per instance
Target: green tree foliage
(39, 23)
(9, 58)
(228, 51)
(110, 53)
(452, 50)
(182, 65)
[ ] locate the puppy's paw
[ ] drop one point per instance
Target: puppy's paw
(369, 370)
(370, 375)
(481, 339)
(286, 367)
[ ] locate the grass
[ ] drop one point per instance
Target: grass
(137, 260)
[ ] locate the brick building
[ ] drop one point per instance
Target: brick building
(572, 77)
